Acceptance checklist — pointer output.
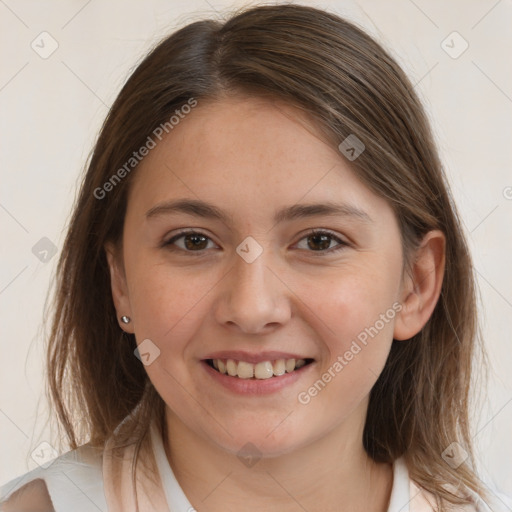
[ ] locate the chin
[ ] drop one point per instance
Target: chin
(261, 442)
(259, 448)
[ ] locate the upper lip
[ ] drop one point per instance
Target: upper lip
(254, 357)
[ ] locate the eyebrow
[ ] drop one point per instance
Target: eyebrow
(206, 210)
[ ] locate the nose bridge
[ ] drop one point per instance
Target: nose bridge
(252, 296)
(251, 275)
(250, 262)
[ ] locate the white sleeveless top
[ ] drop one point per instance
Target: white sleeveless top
(75, 482)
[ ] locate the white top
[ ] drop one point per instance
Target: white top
(75, 482)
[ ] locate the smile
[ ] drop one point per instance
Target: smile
(259, 371)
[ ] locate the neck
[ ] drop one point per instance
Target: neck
(331, 474)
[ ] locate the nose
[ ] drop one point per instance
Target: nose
(252, 298)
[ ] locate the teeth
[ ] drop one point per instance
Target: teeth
(262, 370)
(246, 370)
(231, 367)
(299, 363)
(279, 367)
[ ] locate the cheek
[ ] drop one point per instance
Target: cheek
(354, 317)
(166, 303)
(168, 307)
(356, 344)
(351, 302)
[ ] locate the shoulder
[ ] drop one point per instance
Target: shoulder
(73, 480)
(422, 500)
(31, 497)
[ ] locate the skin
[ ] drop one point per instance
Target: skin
(251, 157)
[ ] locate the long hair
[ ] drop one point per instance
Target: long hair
(348, 85)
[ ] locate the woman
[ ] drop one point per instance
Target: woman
(265, 298)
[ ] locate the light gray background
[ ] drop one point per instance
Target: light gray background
(52, 108)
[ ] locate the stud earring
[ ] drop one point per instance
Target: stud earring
(126, 319)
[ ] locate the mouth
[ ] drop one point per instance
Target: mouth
(257, 371)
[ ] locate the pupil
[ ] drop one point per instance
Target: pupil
(196, 241)
(319, 242)
(323, 240)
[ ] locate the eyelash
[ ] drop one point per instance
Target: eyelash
(169, 244)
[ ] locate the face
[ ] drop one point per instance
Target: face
(262, 282)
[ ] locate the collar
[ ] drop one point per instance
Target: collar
(177, 501)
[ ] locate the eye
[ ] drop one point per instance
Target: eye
(194, 241)
(320, 241)
(190, 241)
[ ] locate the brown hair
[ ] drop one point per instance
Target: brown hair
(348, 84)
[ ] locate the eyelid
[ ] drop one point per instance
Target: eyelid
(312, 232)
(342, 243)
(169, 242)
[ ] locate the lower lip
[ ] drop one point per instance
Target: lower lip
(256, 386)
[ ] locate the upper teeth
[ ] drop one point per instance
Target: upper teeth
(263, 370)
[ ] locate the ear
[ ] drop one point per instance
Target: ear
(118, 285)
(421, 287)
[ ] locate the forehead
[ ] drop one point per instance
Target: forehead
(241, 132)
(246, 152)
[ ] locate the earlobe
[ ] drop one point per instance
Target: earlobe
(422, 287)
(119, 288)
